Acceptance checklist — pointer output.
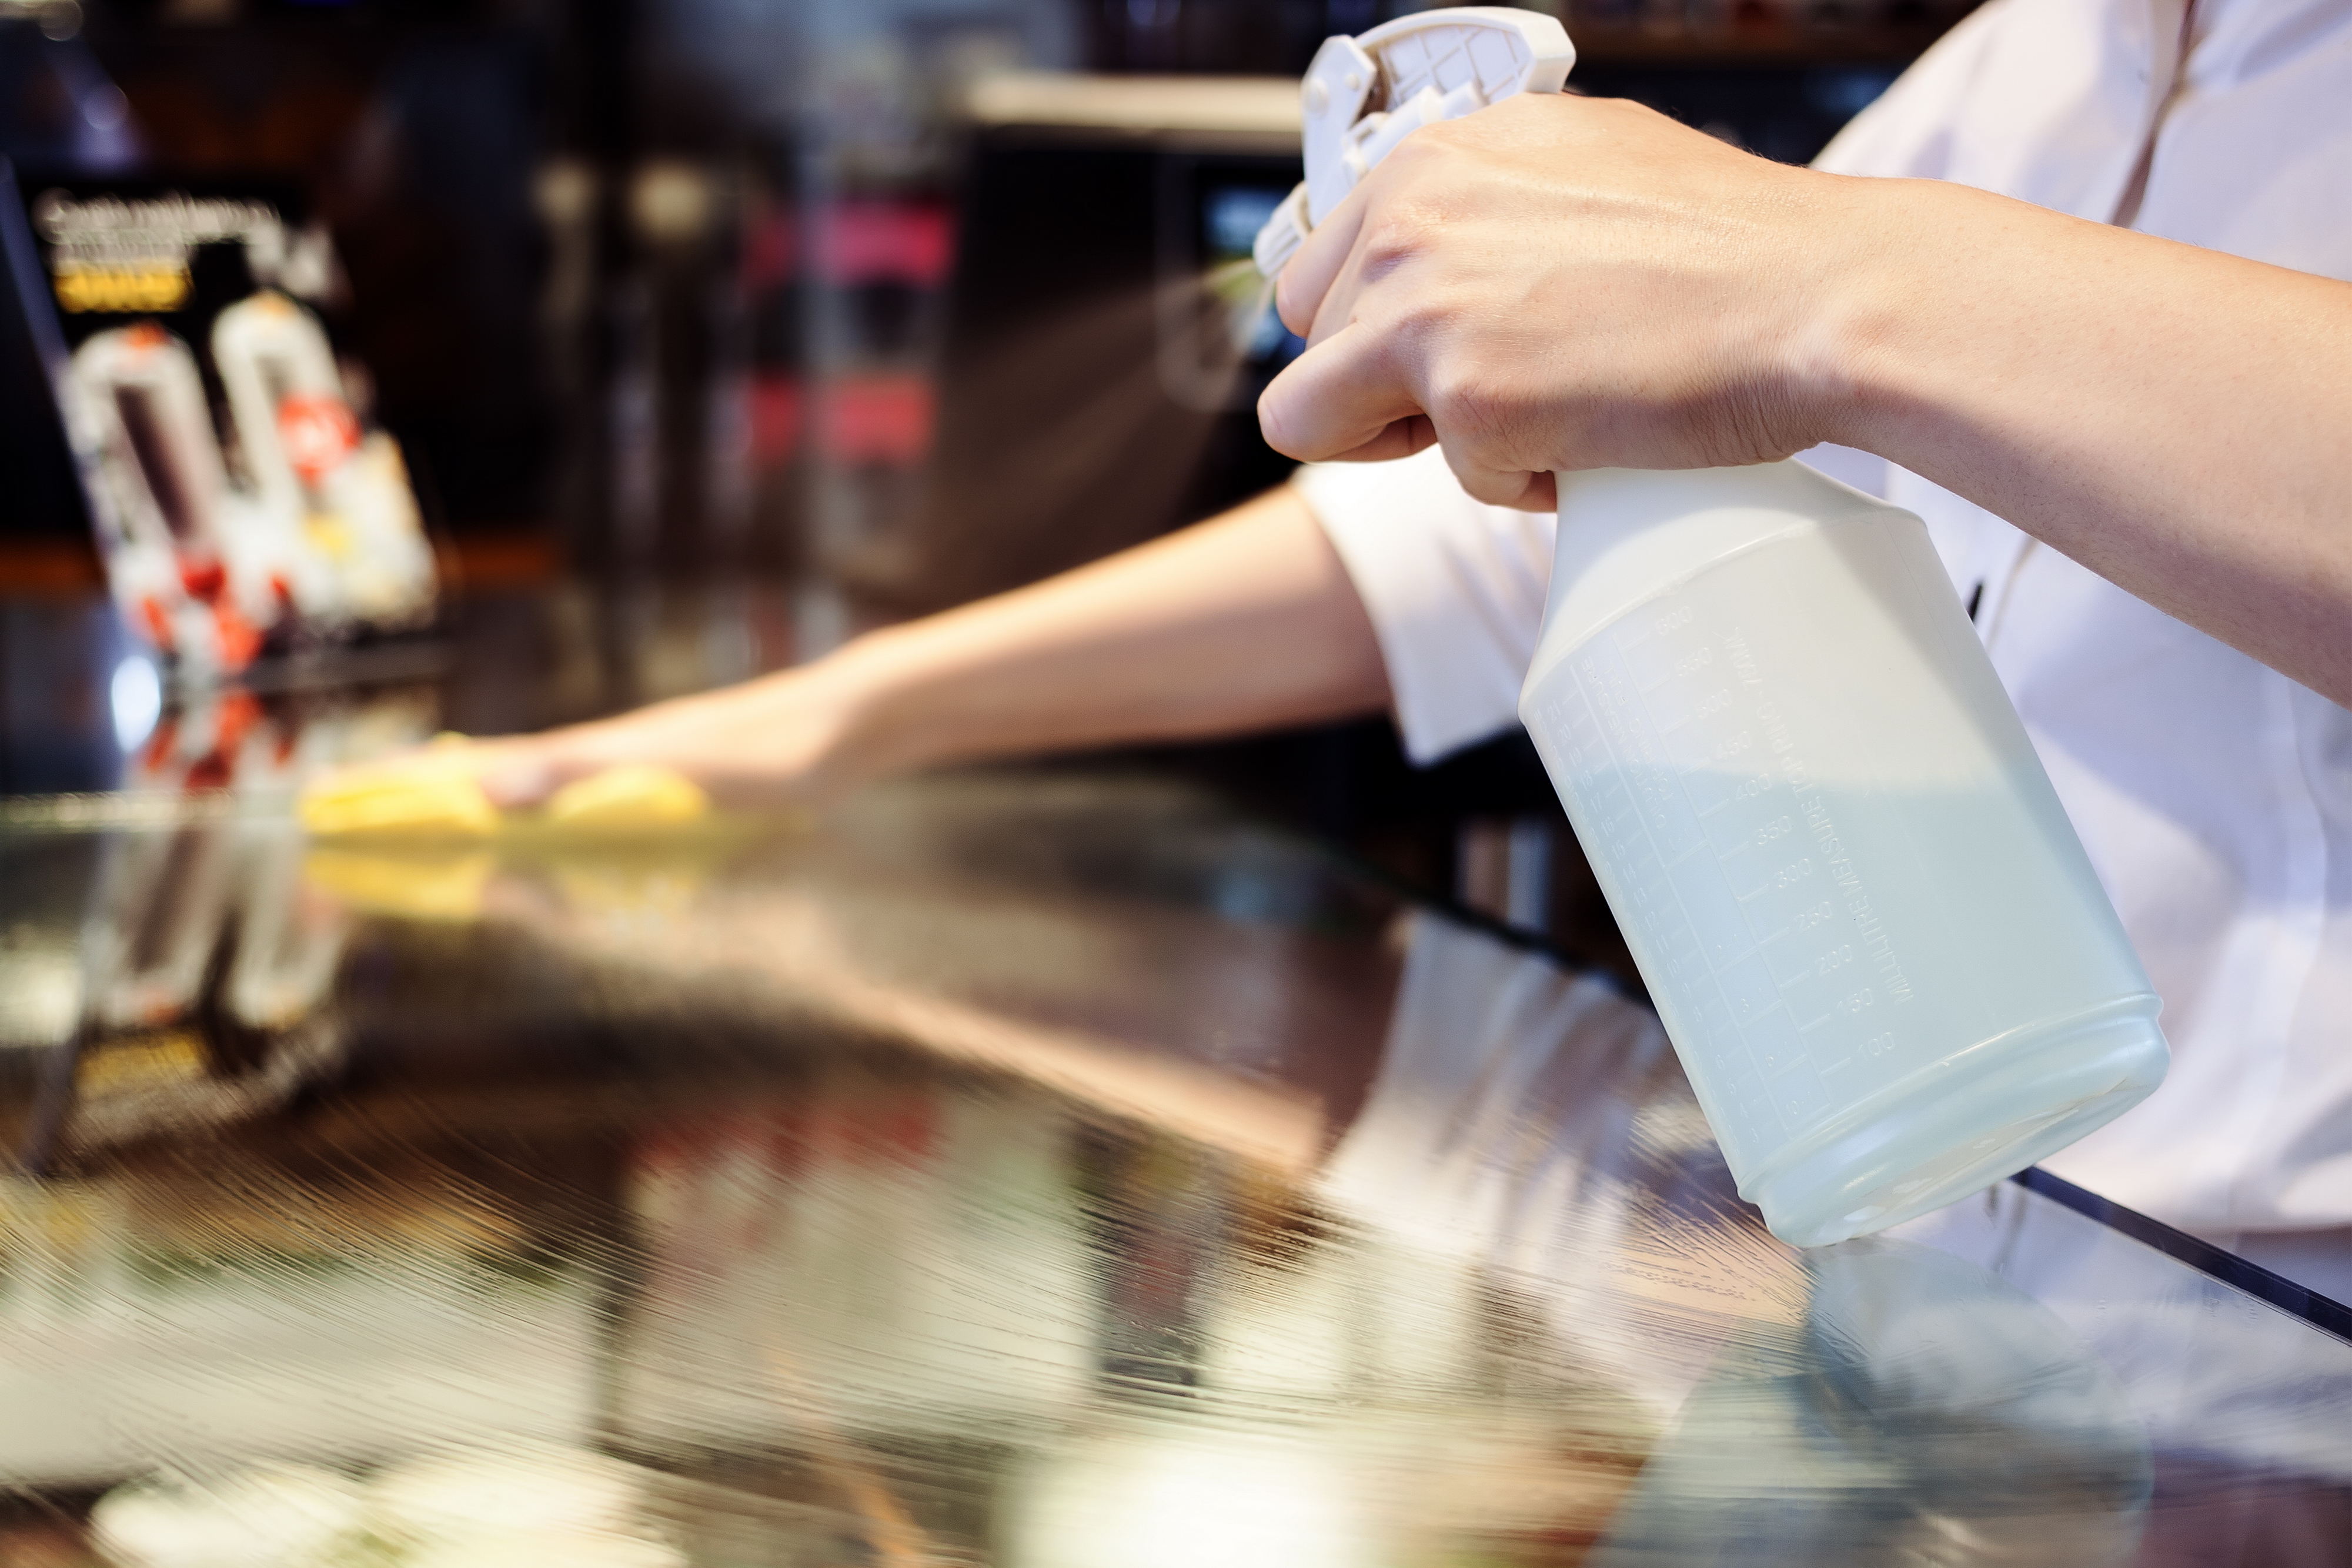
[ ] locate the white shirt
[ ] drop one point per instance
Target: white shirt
(2213, 794)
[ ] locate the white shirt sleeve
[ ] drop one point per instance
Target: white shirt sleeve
(1455, 589)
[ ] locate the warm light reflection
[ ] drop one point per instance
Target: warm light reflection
(494, 1507)
(1199, 1498)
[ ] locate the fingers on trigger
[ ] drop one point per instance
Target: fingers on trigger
(1334, 399)
(1299, 293)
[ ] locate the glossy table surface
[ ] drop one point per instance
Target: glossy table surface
(1025, 1168)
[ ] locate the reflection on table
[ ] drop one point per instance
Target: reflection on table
(1024, 1169)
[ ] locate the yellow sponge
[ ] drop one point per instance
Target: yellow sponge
(633, 795)
(434, 794)
(430, 795)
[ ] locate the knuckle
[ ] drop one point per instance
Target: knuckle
(1395, 236)
(1433, 144)
(1463, 403)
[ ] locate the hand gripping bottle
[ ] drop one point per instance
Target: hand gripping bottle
(1886, 963)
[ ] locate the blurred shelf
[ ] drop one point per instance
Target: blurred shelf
(39, 569)
(499, 560)
(1141, 104)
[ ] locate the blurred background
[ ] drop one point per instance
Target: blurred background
(714, 331)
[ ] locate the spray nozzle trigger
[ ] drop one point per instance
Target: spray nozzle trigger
(1362, 96)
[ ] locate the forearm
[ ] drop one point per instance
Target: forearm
(1246, 622)
(2176, 420)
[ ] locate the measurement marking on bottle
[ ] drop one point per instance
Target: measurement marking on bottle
(1843, 1007)
(1664, 736)
(1686, 855)
(1740, 794)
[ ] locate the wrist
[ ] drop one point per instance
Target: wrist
(1845, 354)
(871, 691)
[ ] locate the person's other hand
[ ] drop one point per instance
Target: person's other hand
(1564, 283)
(778, 740)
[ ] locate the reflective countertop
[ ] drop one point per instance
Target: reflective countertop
(1032, 1169)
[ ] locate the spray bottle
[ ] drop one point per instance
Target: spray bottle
(1884, 958)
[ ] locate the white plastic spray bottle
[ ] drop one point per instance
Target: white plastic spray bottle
(1884, 960)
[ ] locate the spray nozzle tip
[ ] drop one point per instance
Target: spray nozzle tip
(1283, 233)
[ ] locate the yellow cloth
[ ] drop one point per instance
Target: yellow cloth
(434, 794)
(428, 795)
(635, 795)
